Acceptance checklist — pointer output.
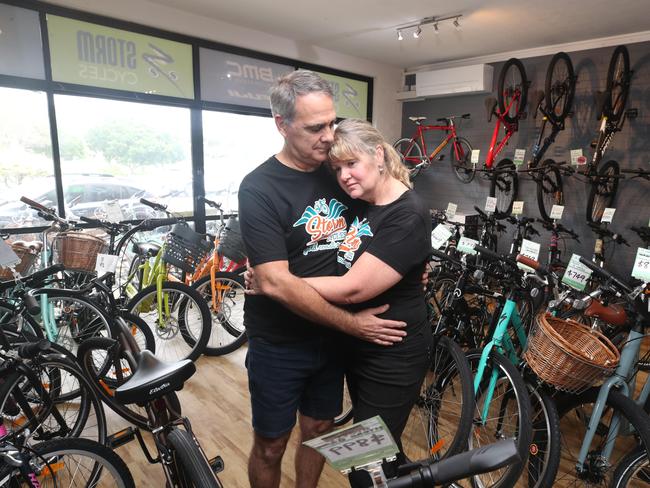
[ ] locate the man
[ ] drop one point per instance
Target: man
(292, 216)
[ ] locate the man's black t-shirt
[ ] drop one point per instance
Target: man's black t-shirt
(294, 216)
(399, 234)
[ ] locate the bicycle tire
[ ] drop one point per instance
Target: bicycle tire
(618, 83)
(101, 463)
(512, 78)
(544, 452)
(461, 163)
(441, 419)
(227, 330)
(347, 413)
(549, 189)
(192, 460)
(560, 86)
(82, 412)
(504, 185)
(510, 388)
(183, 301)
(603, 191)
(633, 470)
(410, 152)
(574, 412)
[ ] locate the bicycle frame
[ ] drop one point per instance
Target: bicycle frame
(419, 137)
(497, 146)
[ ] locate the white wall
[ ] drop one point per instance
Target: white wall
(387, 112)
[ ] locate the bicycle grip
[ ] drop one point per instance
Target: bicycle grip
(603, 273)
(31, 304)
(90, 220)
(31, 349)
(480, 212)
(35, 205)
(531, 263)
(154, 205)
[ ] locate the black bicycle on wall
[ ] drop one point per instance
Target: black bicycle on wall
(554, 103)
(604, 178)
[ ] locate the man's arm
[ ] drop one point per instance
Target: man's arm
(276, 281)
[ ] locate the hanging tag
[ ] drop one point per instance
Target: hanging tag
(451, 210)
(490, 204)
(466, 245)
(577, 159)
(556, 212)
(641, 269)
(106, 263)
(439, 236)
(520, 155)
(530, 249)
(517, 208)
(608, 215)
(576, 274)
(475, 156)
(8, 257)
(113, 212)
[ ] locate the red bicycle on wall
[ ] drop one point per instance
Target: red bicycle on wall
(512, 93)
(416, 157)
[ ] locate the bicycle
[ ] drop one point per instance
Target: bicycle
(512, 93)
(558, 96)
(604, 178)
(415, 155)
(632, 471)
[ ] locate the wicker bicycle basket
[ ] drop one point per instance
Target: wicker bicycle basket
(27, 258)
(185, 248)
(231, 243)
(77, 250)
(569, 355)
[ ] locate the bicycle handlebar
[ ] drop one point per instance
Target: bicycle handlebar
(531, 263)
(493, 256)
(37, 206)
(31, 349)
(464, 465)
(210, 203)
(153, 205)
(606, 275)
(445, 257)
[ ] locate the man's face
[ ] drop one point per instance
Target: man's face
(309, 135)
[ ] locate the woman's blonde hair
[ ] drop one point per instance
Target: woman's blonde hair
(354, 135)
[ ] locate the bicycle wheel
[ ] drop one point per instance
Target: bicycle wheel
(348, 412)
(549, 189)
(512, 90)
(633, 471)
(618, 83)
(575, 412)
(180, 322)
(228, 332)
(78, 463)
(560, 86)
(460, 157)
(411, 156)
(190, 459)
(57, 401)
(507, 416)
(504, 185)
(603, 191)
(544, 452)
(441, 419)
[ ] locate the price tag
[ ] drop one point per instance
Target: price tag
(106, 263)
(439, 236)
(361, 444)
(451, 210)
(466, 245)
(530, 249)
(641, 270)
(113, 212)
(608, 215)
(8, 257)
(517, 208)
(577, 159)
(491, 204)
(556, 212)
(476, 153)
(576, 274)
(520, 155)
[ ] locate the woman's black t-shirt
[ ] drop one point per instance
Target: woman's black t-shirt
(399, 234)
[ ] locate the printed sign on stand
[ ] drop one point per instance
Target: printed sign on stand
(439, 236)
(467, 245)
(520, 155)
(577, 159)
(491, 204)
(576, 274)
(451, 210)
(530, 249)
(106, 263)
(113, 212)
(556, 212)
(608, 215)
(475, 156)
(517, 208)
(641, 270)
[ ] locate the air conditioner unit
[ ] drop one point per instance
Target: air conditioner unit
(454, 81)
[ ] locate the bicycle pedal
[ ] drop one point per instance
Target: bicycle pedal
(217, 464)
(121, 437)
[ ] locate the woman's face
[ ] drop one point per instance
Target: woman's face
(359, 175)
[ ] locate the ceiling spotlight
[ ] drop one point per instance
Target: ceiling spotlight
(399, 35)
(417, 32)
(435, 28)
(456, 24)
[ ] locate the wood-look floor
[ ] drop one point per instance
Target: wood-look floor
(216, 400)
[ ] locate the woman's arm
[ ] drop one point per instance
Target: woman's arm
(368, 277)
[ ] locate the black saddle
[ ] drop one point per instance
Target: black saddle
(148, 249)
(154, 379)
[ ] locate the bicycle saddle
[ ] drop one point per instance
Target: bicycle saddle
(145, 248)
(417, 119)
(153, 379)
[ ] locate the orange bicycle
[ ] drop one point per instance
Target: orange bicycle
(219, 279)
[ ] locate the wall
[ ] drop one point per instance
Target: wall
(387, 79)
(630, 148)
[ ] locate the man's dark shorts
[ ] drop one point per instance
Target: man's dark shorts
(286, 378)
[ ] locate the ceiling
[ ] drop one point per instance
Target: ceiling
(367, 28)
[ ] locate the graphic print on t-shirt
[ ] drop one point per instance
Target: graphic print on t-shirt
(323, 221)
(352, 241)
